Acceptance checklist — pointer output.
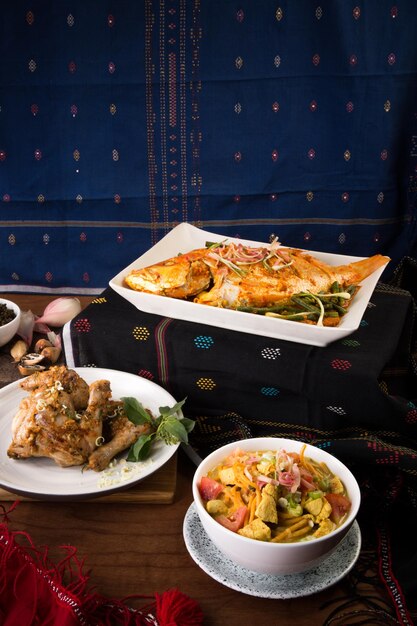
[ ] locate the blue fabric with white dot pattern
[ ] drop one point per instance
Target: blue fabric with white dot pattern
(119, 121)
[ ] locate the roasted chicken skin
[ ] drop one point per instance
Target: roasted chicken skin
(70, 381)
(48, 425)
(119, 433)
(233, 275)
(73, 423)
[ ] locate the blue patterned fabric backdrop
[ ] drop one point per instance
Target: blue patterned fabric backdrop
(119, 120)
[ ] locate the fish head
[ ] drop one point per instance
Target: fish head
(182, 276)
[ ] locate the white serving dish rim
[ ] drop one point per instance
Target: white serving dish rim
(186, 237)
(264, 443)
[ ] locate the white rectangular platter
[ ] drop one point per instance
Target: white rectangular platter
(184, 238)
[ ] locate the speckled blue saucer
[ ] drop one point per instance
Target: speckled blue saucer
(219, 567)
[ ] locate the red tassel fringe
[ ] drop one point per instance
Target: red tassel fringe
(35, 591)
(173, 608)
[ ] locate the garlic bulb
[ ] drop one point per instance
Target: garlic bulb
(18, 350)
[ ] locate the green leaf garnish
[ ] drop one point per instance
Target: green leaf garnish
(166, 411)
(168, 427)
(140, 450)
(188, 424)
(172, 431)
(136, 412)
(215, 244)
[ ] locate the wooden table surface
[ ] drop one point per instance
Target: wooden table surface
(139, 548)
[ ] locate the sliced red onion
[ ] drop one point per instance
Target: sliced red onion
(252, 459)
(309, 486)
(267, 479)
(248, 474)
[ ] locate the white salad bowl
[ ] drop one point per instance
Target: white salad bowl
(8, 331)
(266, 557)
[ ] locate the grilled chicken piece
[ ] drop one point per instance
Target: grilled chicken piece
(48, 424)
(233, 275)
(36, 424)
(120, 433)
(70, 381)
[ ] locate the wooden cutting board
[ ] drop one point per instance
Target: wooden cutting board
(159, 488)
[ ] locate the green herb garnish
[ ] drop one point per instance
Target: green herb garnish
(168, 427)
(306, 305)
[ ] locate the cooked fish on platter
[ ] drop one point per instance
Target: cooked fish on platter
(272, 280)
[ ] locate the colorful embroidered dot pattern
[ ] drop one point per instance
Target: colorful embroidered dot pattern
(82, 325)
(269, 391)
(203, 342)
(206, 384)
(411, 416)
(383, 387)
(336, 409)
(141, 333)
(341, 364)
(352, 343)
(324, 444)
(270, 353)
(146, 374)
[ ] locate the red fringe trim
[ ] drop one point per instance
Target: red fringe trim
(34, 590)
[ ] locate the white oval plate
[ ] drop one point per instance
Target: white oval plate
(43, 478)
(218, 566)
(186, 237)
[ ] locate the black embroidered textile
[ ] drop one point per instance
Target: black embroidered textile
(357, 398)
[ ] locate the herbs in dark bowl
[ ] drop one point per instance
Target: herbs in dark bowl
(6, 314)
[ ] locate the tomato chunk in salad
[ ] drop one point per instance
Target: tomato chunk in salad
(340, 506)
(209, 488)
(235, 521)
